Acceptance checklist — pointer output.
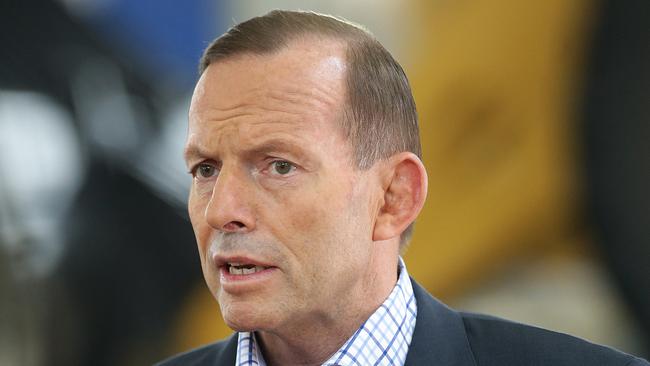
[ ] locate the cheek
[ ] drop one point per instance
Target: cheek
(317, 224)
(310, 207)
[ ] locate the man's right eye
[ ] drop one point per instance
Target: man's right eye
(205, 170)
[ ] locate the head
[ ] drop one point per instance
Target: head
(304, 147)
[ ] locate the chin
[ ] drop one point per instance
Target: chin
(237, 326)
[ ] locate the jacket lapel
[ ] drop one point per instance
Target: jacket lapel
(439, 338)
(225, 356)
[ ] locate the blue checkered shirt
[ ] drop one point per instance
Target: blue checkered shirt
(383, 339)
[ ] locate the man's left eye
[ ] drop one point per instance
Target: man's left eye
(283, 167)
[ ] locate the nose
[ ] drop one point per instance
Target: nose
(230, 209)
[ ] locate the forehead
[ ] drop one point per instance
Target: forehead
(300, 88)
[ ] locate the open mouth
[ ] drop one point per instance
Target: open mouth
(240, 269)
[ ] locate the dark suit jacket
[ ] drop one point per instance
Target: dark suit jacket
(444, 337)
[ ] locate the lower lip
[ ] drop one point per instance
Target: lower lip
(244, 282)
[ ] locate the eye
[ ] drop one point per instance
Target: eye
(282, 167)
(205, 170)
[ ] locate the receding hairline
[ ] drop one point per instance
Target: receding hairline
(339, 46)
(309, 40)
(297, 26)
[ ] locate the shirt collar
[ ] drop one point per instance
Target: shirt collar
(383, 339)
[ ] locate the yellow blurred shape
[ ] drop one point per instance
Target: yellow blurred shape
(496, 85)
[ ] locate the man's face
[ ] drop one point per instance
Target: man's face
(282, 219)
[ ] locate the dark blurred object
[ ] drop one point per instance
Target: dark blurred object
(129, 256)
(130, 260)
(43, 48)
(164, 36)
(617, 132)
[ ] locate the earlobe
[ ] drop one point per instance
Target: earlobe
(404, 195)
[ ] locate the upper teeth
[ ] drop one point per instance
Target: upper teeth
(243, 269)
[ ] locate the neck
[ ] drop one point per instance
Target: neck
(312, 341)
(311, 347)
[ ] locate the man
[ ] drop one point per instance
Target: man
(304, 150)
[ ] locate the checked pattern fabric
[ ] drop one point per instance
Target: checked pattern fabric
(383, 339)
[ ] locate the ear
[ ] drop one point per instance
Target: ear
(404, 181)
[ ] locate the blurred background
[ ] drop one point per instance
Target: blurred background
(535, 120)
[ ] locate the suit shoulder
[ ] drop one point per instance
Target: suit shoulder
(635, 361)
(209, 354)
(496, 341)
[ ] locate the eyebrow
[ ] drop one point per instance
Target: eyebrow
(193, 151)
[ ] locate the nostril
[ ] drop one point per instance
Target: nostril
(234, 225)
